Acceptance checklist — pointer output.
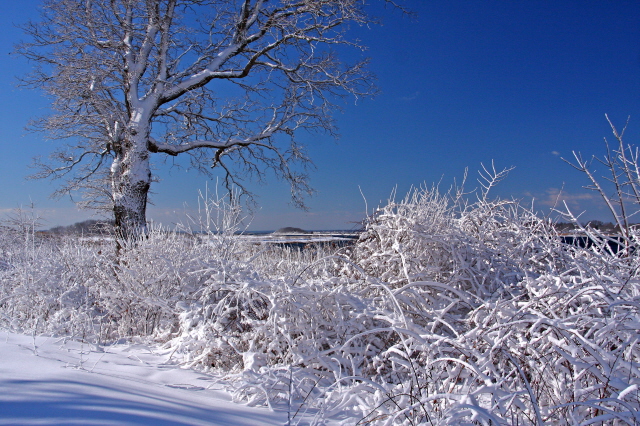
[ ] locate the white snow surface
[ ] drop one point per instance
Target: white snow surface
(53, 381)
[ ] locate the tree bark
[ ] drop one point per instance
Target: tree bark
(130, 183)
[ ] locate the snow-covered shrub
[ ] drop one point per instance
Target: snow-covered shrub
(138, 290)
(559, 350)
(444, 312)
(79, 286)
(45, 286)
(141, 291)
(480, 248)
(262, 329)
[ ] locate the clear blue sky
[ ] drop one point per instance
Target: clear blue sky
(466, 82)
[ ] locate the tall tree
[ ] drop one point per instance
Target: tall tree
(230, 82)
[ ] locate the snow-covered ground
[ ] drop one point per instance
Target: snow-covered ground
(50, 381)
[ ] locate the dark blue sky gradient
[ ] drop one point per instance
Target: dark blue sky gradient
(463, 83)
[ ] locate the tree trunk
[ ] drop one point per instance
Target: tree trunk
(130, 183)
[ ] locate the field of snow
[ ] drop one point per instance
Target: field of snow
(53, 381)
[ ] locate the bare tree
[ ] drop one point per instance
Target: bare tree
(230, 82)
(619, 187)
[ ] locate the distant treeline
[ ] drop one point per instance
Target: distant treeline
(87, 227)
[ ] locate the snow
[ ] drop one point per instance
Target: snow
(441, 312)
(50, 381)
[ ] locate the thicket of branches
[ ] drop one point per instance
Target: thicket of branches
(445, 312)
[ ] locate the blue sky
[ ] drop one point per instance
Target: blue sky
(464, 83)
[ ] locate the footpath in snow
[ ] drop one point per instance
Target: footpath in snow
(50, 381)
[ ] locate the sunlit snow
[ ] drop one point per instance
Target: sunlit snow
(47, 381)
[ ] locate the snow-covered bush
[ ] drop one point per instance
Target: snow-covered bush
(444, 312)
(138, 291)
(41, 281)
(482, 248)
(79, 286)
(48, 289)
(561, 349)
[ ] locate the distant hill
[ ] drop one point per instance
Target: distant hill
(87, 227)
(291, 230)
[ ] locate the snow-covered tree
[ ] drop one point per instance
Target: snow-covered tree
(230, 82)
